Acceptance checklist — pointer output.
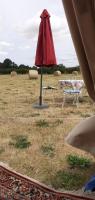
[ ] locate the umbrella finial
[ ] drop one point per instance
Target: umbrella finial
(45, 14)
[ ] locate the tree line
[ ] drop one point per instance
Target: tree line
(8, 66)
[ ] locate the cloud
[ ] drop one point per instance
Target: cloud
(27, 47)
(30, 27)
(24, 47)
(1, 23)
(6, 46)
(3, 53)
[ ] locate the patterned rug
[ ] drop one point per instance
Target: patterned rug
(14, 186)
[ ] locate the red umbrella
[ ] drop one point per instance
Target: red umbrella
(45, 54)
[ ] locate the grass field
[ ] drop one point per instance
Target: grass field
(32, 140)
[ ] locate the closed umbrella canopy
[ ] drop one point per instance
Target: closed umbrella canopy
(45, 54)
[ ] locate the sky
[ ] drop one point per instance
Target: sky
(19, 27)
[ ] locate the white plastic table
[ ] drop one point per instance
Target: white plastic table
(75, 84)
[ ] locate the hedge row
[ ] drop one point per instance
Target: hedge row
(45, 70)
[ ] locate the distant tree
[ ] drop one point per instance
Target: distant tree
(34, 67)
(21, 66)
(7, 63)
(1, 65)
(23, 69)
(14, 65)
(61, 68)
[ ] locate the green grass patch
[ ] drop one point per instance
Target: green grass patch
(85, 115)
(78, 162)
(58, 122)
(20, 142)
(67, 180)
(1, 150)
(42, 123)
(48, 150)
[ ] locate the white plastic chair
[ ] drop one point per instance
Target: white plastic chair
(50, 90)
(75, 92)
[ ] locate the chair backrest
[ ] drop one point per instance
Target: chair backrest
(72, 91)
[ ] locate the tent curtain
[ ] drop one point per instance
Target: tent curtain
(81, 20)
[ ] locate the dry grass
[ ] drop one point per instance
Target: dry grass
(46, 127)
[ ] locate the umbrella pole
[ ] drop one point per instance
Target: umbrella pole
(40, 105)
(40, 97)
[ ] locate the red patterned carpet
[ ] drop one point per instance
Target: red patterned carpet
(14, 186)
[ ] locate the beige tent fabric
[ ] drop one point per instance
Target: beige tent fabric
(83, 135)
(81, 20)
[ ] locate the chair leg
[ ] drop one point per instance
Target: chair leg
(64, 99)
(53, 98)
(76, 99)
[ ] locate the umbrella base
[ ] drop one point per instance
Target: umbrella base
(42, 106)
